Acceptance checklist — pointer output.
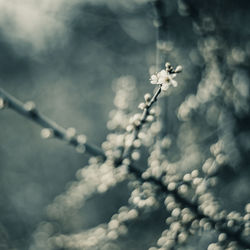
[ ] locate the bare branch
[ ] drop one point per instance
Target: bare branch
(29, 111)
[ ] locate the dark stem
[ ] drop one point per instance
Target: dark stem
(128, 150)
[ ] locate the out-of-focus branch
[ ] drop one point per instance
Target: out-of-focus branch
(29, 111)
(216, 224)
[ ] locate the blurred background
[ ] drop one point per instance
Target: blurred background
(66, 55)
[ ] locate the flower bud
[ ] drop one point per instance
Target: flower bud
(147, 97)
(30, 106)
(178, 69)
(46, 133)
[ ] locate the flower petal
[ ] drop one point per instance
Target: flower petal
(174, 83)
(165, 86)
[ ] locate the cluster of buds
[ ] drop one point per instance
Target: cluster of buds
(143, 196)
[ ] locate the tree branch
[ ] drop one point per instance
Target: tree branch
(29, 111)
(61, 133)
(142, 120)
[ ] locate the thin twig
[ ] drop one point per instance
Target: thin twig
(58, 131)
(142, 120)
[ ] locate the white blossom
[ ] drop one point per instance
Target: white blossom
(165, 77)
